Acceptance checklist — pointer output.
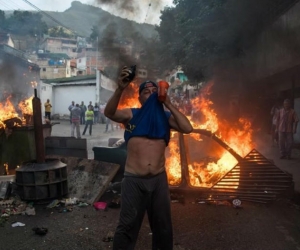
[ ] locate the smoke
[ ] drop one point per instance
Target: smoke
(141, 11)
(16, 79)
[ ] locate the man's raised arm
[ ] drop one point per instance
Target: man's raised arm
(178, 121)
(111, 110)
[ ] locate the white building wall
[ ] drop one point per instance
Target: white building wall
(81, 63)
(64, 95)
(44, 94)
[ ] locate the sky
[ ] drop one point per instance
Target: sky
(142, 13)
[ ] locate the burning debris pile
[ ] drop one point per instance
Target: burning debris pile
(11, 116)
(207, 161)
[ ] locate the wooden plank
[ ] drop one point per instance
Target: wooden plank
(88, 179)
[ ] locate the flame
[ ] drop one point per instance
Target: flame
(26, 106)
(8, 110)
(129, 97)
(33, 84)
(205, 171)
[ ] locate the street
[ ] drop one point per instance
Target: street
(197, 225)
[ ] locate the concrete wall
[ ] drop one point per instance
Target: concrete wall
(272, 63)
(45, 92)
(278, 46)
(54, 71)
(64, 95)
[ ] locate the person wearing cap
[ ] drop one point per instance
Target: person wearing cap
(145, 185)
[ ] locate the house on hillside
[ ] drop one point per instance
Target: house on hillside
(54, 65)
(59, 45)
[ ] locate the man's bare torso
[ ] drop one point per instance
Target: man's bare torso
(145, 156)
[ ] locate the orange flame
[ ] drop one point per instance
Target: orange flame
(8, 111)
(129, 98)
(26, 106)
(204, 171)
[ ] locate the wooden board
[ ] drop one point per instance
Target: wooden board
(87, 179)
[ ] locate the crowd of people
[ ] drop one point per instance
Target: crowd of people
(88, 116)
(84, 115)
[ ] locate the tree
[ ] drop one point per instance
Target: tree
(2, 19)
(198, 35)
(187, 36)
(25, 22)
(59, 31)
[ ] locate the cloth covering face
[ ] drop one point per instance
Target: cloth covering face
(151, 121)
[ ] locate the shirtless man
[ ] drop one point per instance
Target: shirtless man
(145, 186)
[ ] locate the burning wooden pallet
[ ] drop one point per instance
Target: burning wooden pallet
(254, 178)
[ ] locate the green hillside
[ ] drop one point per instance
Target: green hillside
(82, 17)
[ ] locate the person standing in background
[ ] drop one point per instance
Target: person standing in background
(101, 111)
(48, 107)
(82, 115)
(96, 113)
(91, 105)
(286, 126)
(107, 123)
(75, 114)
(274, 113)
(70, 109)
(89, 116)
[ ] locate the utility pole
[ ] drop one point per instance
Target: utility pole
(97, 56)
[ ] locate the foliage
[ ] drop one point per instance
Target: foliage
(2, 19)
(59, 32)
(188, 36)
(25, 23)
(200, 34)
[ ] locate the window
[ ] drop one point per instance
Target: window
(44, 69)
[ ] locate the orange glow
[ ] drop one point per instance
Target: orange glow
(130, 97)
(204, 171)
(33, 84)
(8, 110)
(26, 106)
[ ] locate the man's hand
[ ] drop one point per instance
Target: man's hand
(167, 101)
(122, 81)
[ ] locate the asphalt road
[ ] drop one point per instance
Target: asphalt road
(196, 226)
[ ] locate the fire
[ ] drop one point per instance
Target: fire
(8, 110)
(204, 171)
(26, 106)
(33, 84)
(130, 97)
